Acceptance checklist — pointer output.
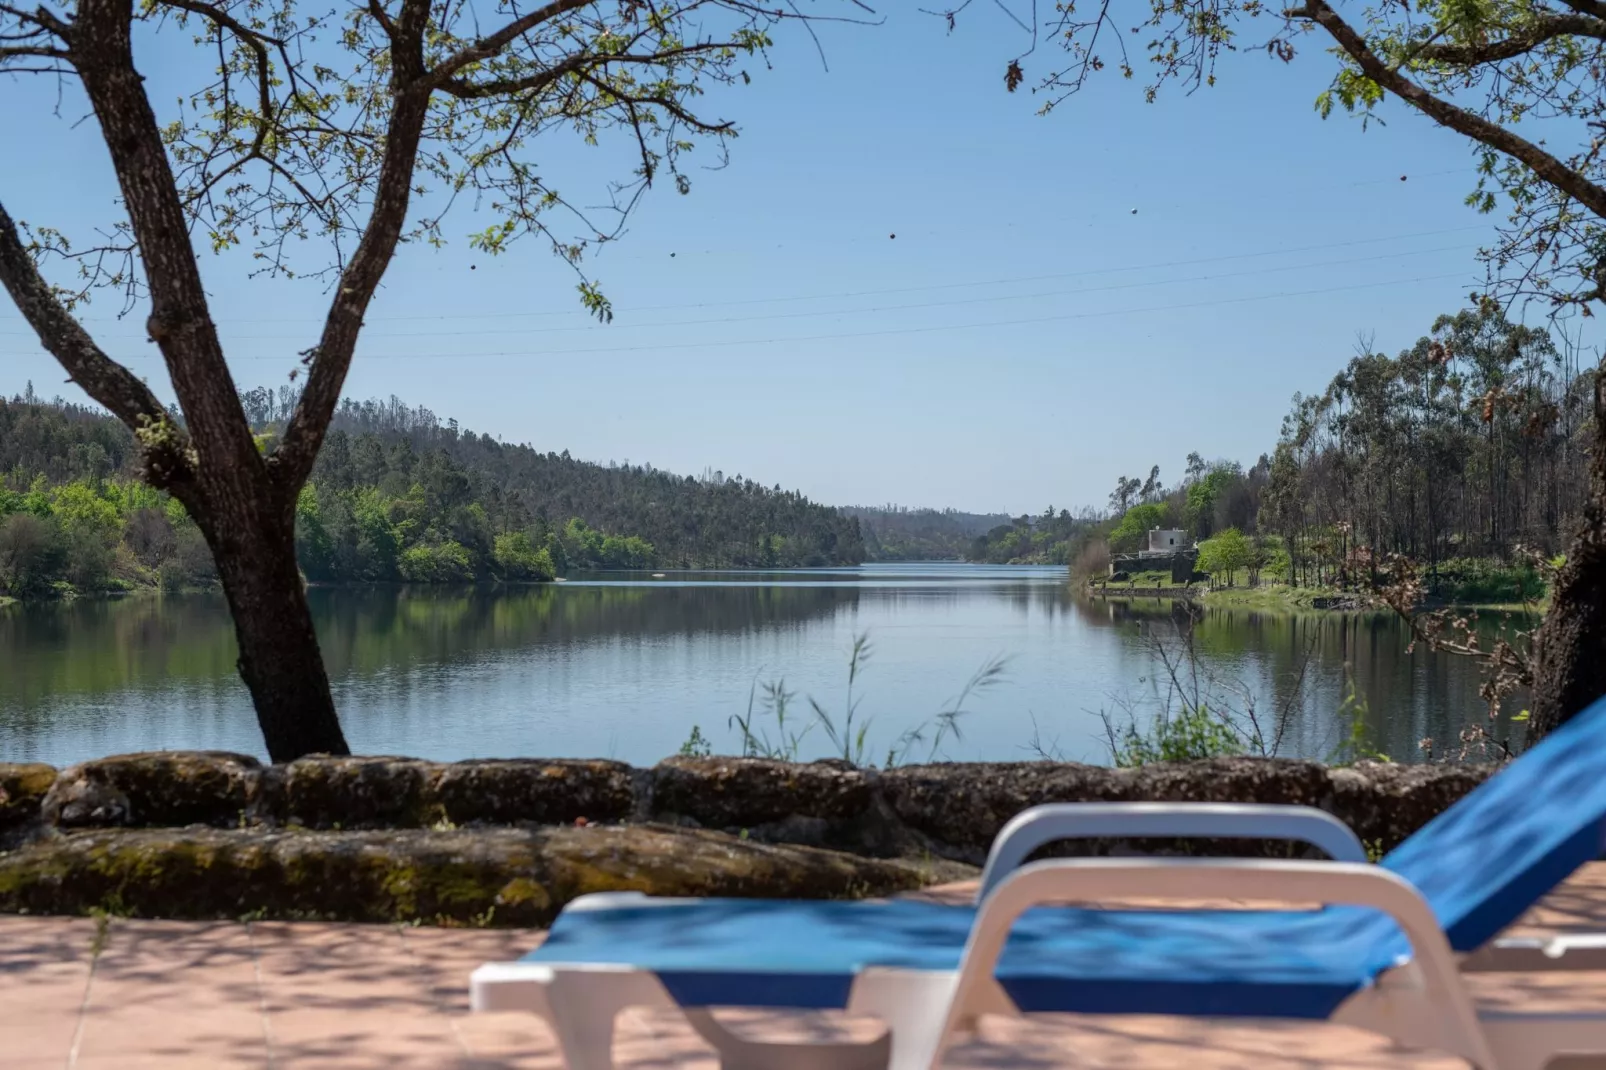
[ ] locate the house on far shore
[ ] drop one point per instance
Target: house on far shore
(1169, 549)
(1167, 540)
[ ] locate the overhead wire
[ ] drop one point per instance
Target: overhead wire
(876, 309)
(887, 291)
(725, 343)
(836, 240)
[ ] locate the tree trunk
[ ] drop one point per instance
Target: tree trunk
(1570, 668)
(279, 657)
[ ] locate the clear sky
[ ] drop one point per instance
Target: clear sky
(1022, 341)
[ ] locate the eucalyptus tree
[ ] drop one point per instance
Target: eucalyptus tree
(338, 133)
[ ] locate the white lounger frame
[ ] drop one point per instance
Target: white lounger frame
(1422, 1002)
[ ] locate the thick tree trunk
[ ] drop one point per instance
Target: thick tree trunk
(279, 657)
(1570, 668)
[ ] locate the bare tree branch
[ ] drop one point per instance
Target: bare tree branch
(330, 360)
(1588, 7)
(41, 17)
(180, 322)
(122, 392)
(1544, 29)
(467, 90)
(659, 101)
(492, 44)
(40, 35)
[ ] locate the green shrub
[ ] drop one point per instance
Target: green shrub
(1225, 554)
(444, 562)
(1186, 736)
(517, 558)
(1130, 534)
(697, 745)
(32, 554)
(1469, 580)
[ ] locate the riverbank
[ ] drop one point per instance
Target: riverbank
(1265, 597)
(1281, 596)
(1275, 597)
(65, 592)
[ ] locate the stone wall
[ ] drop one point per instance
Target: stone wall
(205, 834)
(950, 810)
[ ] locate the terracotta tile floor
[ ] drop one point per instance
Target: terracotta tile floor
(161, 995)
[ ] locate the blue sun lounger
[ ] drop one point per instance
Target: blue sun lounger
(1386, 951)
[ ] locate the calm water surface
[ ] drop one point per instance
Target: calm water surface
(624, 665)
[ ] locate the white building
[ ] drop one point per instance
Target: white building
(1167, 540)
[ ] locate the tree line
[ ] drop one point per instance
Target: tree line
(395, 496)
(899, 533)
(1467, 452)
(1054, 537)
(708, 521)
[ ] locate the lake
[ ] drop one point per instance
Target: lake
(624, 665)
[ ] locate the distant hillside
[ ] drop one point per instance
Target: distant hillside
(897, 533)
(1048, 539)
(395, 495)
(708, 522)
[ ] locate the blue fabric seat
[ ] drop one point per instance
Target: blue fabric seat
(1479, 865)
(806, 954)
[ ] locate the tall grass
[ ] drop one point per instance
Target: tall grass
(770, 709)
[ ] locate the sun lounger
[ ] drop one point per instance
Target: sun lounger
(1386, 951)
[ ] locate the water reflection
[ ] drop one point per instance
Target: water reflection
(624, 665)
(1298, 669)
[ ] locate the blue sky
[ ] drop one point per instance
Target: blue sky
(1022, 341)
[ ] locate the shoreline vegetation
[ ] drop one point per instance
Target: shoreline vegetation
(1282, 597)
(396, 496)
(1461, 461)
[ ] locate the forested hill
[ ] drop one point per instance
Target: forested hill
(396, 495)
(691, 522)
(898, 533)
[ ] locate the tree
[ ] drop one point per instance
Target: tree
(1130, 535)
(1226, 553)
(30, 551)
(1523, 81)
(360, 130)
(1152, 488)
(1126, 487)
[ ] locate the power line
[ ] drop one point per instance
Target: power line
(885, 291)
(873, 334)
(1088, 220)
(942, 304)
(894, 308)
(960, 285)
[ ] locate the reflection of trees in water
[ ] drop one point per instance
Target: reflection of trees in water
(81, 656)
(1050, 599)
(1305, 662)
(94, 645)
(365, 630)
(101, 646)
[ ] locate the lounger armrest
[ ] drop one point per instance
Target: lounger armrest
(1042, 825)
(1085, 880)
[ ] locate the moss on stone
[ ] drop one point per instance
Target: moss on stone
(351, 793)
(489, 876)
(23, 787)
(950, 811)
(161, 788)
(534, 792)
(730, 793)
